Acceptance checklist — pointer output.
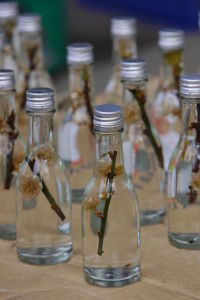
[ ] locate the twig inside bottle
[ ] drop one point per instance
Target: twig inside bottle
(86, 94)
(107, 203)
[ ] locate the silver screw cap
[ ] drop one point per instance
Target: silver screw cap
(40, 100)
(190, 86)
(123, 27)
(108, 118)
(171, 39)
(79, 53)
(7, 80)
(29, 23)
(8, 10)
(133, 70)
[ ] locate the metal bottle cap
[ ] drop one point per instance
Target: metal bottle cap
(29, 23)
(171, 39)
(123, 26)
(133, 70)
(40, 100)
(8, 10)
(190, 86)
(108, 118)
(79, 53)
(7, 80)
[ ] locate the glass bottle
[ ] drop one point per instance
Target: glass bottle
(184, 171)
(12, 153)
(124, 46)
(8, 17)
(2, 43)
(32, 72)
(75, 133)
(142, 147)
(165, 108)
(110, 213)
(43, 191)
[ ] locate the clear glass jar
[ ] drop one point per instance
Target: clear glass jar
(75, 133)
(165, 108)
(43, 190)
(12, 153)
(32, 72)
(184, 172)
(110, 213)
(124, 46)
(8, 17)
(142, 148)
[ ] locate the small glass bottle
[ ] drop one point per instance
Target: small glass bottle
(75, 133)
(12, 153)
(110, 213)
(165, 108)
(31, 62)
(184, 171)
(142, 147)
(8, 17)
(43, 191)
(124, 46)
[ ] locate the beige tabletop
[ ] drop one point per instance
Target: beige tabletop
(167, 272)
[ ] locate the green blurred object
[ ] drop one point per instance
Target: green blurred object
(54, 16)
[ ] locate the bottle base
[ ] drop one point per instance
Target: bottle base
(190, 241)
(149, 217)
(112, 277)
(77, 195)
(8, 231)
(45, 255)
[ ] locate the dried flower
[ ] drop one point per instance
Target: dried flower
(196, 180)
(47, 153)
(29, 186)
(131, 114)
(17, 160)
(105, 169)
(91, 203)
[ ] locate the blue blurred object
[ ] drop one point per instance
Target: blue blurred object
(178, 13)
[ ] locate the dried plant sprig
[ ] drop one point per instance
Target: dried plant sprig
(107, 204)
(86, 95)
(12, 134)
(139, 96)
(46, 191)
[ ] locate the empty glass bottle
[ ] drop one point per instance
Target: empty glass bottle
(43, 191)
(124, 46)
(165, 109)
(8, 16)
(75, 133)
(110, 213)
(12, 153)
(142, 147)
(184, 171)
(32, 72)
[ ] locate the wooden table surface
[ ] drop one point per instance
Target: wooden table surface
(167, 272)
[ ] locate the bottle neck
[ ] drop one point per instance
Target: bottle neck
(41, 130)
(171, 69)
(123, 48)
(191, 120)
(106, 145)
(31, 51)
(7, 110)
(8, 27)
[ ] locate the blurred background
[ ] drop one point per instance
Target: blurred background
(66, 21)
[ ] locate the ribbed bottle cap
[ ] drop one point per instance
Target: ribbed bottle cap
(29, 23)
(123, 26)
(171, 39)
(40, 100)
(108, 118)
(133, 70)
(190, 86)
(7, 80)
(8, 10)
(79, 53)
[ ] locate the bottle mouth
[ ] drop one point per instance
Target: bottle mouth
(133, 70)
(40, 100)
(108, 118)
(7, 80)
(171, 39)
(190, 86)
(79, 53)
(123, 27)
(29, 23)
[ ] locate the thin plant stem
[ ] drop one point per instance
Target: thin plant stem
(107, 203)
(86, 94)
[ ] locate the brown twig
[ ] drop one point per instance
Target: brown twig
(141, 100)
(86, 93)
(107, 203)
